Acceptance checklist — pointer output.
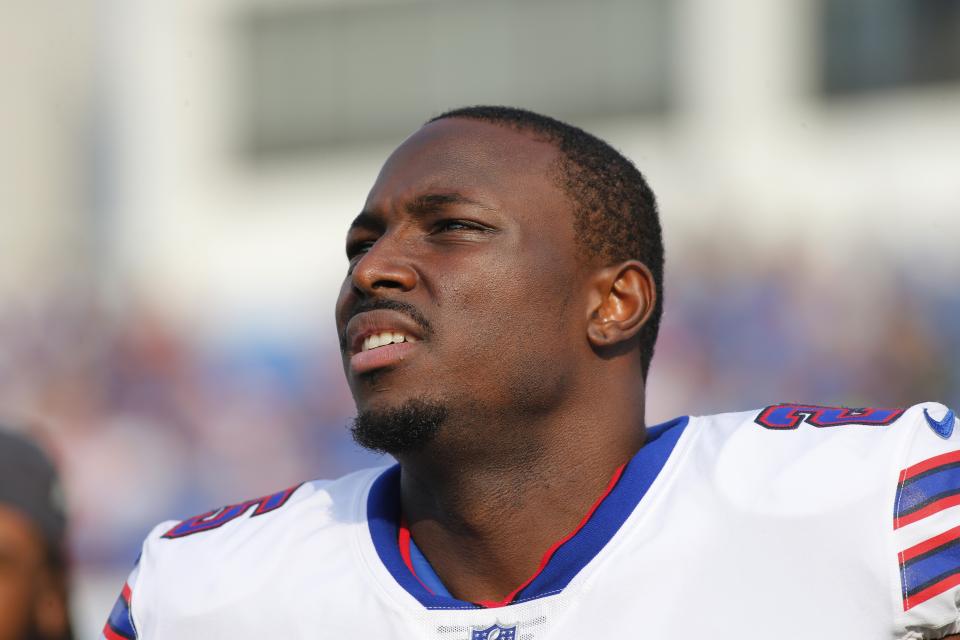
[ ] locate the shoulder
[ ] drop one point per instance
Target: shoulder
(319, 501)
(316, 505)
(824, 445)
(800, 417)
(793, 459)
(220, 556)
(793, 426)
(889, 475)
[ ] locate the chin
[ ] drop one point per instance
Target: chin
(399, 427)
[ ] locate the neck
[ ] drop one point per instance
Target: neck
(486, 518)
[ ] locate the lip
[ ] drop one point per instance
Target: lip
(389, 355)
(369, 323)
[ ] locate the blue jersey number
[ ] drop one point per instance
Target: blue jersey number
(790, 416)
(220, 517)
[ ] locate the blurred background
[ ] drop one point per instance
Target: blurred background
(176, 178)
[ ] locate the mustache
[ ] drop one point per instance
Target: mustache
(373, 304)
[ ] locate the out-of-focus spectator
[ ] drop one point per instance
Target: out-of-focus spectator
(33, 566)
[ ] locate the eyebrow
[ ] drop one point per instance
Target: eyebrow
(366, 220)
(434, 202)
(420, 206)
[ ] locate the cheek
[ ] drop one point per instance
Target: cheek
(528, 295)
(512, 320)
(341, 300)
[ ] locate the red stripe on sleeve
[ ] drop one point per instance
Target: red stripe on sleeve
(929, 463)
(110, 634)
(928, 545)
(929, 510)
(931, 592)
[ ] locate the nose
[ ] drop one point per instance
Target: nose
(384, 266)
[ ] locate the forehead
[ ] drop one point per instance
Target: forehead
(474, 158)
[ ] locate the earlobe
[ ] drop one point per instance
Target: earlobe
(623, 297)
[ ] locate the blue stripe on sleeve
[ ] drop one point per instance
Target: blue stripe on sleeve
(925, 488)
(923, 571)
(120, 621)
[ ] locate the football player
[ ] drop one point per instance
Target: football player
(497, 321)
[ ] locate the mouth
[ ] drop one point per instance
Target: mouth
(380, 357)
(385, 339)
(379, 339)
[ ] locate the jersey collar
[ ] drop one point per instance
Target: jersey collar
(568, 556)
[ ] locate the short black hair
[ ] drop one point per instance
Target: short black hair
(615, 211)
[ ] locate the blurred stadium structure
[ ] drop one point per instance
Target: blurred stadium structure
(176, 180)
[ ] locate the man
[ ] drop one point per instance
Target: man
(33, 580)
(497, 322)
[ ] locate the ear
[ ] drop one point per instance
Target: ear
(622, 297)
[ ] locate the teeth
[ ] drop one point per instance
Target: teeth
(385, 338)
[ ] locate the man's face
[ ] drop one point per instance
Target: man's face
(466, 249)
(30, 606)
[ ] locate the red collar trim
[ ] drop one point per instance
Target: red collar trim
(403, 539)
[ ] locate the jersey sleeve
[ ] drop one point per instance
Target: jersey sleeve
(178, 562)
(120, 625)
(125, 621)
(926, 524)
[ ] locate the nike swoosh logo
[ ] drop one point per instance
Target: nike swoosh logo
(942, 428)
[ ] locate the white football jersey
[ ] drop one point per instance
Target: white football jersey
(793, 522)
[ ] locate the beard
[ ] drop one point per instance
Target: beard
(404, 429)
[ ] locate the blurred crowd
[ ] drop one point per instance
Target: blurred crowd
(742, 336)
(150, 419)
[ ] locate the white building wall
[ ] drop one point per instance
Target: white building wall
(750, 145)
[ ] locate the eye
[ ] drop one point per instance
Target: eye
(357, 248)
(457, 225)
